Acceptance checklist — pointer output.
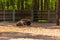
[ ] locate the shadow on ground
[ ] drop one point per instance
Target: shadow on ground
(46, 25)
(12, 35)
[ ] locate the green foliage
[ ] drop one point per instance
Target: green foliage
(52, 4)
(29, 3)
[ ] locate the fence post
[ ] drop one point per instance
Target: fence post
(3, 12)
(49, 16)
(4, 15)
(13, 15)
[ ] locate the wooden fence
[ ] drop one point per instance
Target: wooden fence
(10, 15)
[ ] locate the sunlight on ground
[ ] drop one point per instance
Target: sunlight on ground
(33, 30)
(25, 39)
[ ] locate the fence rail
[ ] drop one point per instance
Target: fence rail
(46, 15)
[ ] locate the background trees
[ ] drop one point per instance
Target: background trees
(24, 3)
(38, 8)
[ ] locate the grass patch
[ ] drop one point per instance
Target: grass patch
(42, 21)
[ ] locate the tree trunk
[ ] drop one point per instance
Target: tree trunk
(46, 5)
(22, 4)
(35, 10)
(22, 8)
(18, 4)
(3, 5)
(41, 9)
(12, 3)
(7, 5)
(57, 11)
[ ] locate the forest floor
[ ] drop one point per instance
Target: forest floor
(37, 31)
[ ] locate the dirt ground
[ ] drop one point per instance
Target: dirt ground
(37, 31)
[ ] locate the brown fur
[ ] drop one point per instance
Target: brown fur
(23, 22)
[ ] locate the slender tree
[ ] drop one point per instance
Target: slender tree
(22, 4)
(57, 11)
(45, 5)
(22, 8)
(35, 10)
(41, 9)
(3, 8)
(18, 4)
(7, 4)
(12, 3)
(26, 4)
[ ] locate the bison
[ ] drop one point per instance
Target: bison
(24, 22)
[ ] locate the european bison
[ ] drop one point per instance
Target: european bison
(23, 22)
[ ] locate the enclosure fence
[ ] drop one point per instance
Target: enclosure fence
(36, 10)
